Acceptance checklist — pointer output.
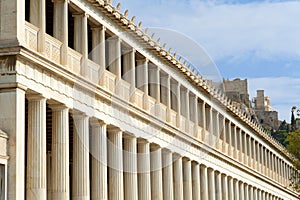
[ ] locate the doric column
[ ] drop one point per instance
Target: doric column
(12, 120)
(266, 162)
(99, 160)
(235, 142)
(178, 178)
(48, 174)
(246, 189)
(218, 184)
(211, 184)
(255, 193)
(114, 56)
(230, 188)
(240, 156)
(229, 139)
(38, 18)
(115, 163)
(254, 163)
(251, 196)
(60, 27)
(36, 148)
(98, 47)
(144, 180)
(217, 134)
(167, 174)
(196, 181)
(203, 182)
(258, 154)
(224, 135)
(130, 168)
(60, 153)
(259, 194)
(225, 192)
(241, 190)
(236, 189)
(156, 172)
(166, 93)
(80, 167)
(187, 179)
(129, 67)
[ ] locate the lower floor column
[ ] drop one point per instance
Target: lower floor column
(178, 178)
(144, 180)
(115, 163)
(203, 182)
(211, 184)
(80, 167)
(225, 192)
(167, 174)
(230, 188)
(99, 160)
(130, 168)
(236, 189)
(251, 196)
(241, 190)
(36, 149)
(246, 188)
(218, 186)
(187, 179)
(196, 180)
(156, 173)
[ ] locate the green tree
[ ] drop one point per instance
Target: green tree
(293, 121)
(293, 147)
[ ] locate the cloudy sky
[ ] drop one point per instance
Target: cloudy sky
(257, 40)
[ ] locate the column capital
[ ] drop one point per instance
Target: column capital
(154, 147)
(83, 14)
(58, 106)
(114, 129)
(145, 60)
(78, 114)
(98, 27)
(142, 141)
(35, 96)
(97, 122)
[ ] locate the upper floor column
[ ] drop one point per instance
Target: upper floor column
(129, 67)
(81, 38)
(114, 56)
(12, 22)
(60, 26)
(38, 18)
(165, 82)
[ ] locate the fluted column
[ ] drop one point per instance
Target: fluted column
(142, 79)
(187, 108)
(218, 186)
(178, 95)
(245, 149)
(230, 188)
(130, 168)
(114, 56)
(60, 27)
(236, 189)
(187, 179)
(36, 148)
(225, 192)
(196, 181)
(154, 82)
(80, 167)
(48, 172)
(203, 120)
(98, 47)
(115, 163)
(229, 139)
(166, 93)
(156, 172)
(251, 191)
(217, 133)
(99, 160)
(246, 189)
(254, 163)
(60, 153)
(167, 174)
(196, 120)
(241, 190)
(203, 182)
(211, 184)
(38, 18)
(144, 179)
(224, 135)
(235, 154)
(255, 194)
(178, 178)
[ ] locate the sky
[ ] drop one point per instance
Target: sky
(257, 40)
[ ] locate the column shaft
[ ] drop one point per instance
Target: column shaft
(156, 173)
(225, 192)
(60, 153)
(80, 167)
(129, 67)
(211, 184)
(196, 181)
(144, 179)
(36, 156)
(167, 175)
(99, 160)
(178, 178)
(38, 18)
(218, 183)
(115, 163)
(187, 179)
(203, 182)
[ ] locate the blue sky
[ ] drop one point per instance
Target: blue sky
(257, 40)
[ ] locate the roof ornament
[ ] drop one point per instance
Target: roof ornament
(146, 31)
(170, 50)
(164, 46)
(118, 7)
(133, 19)
(152, 36)
(158, 41)
(109, 2)
(126, 13)
(140, 25)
